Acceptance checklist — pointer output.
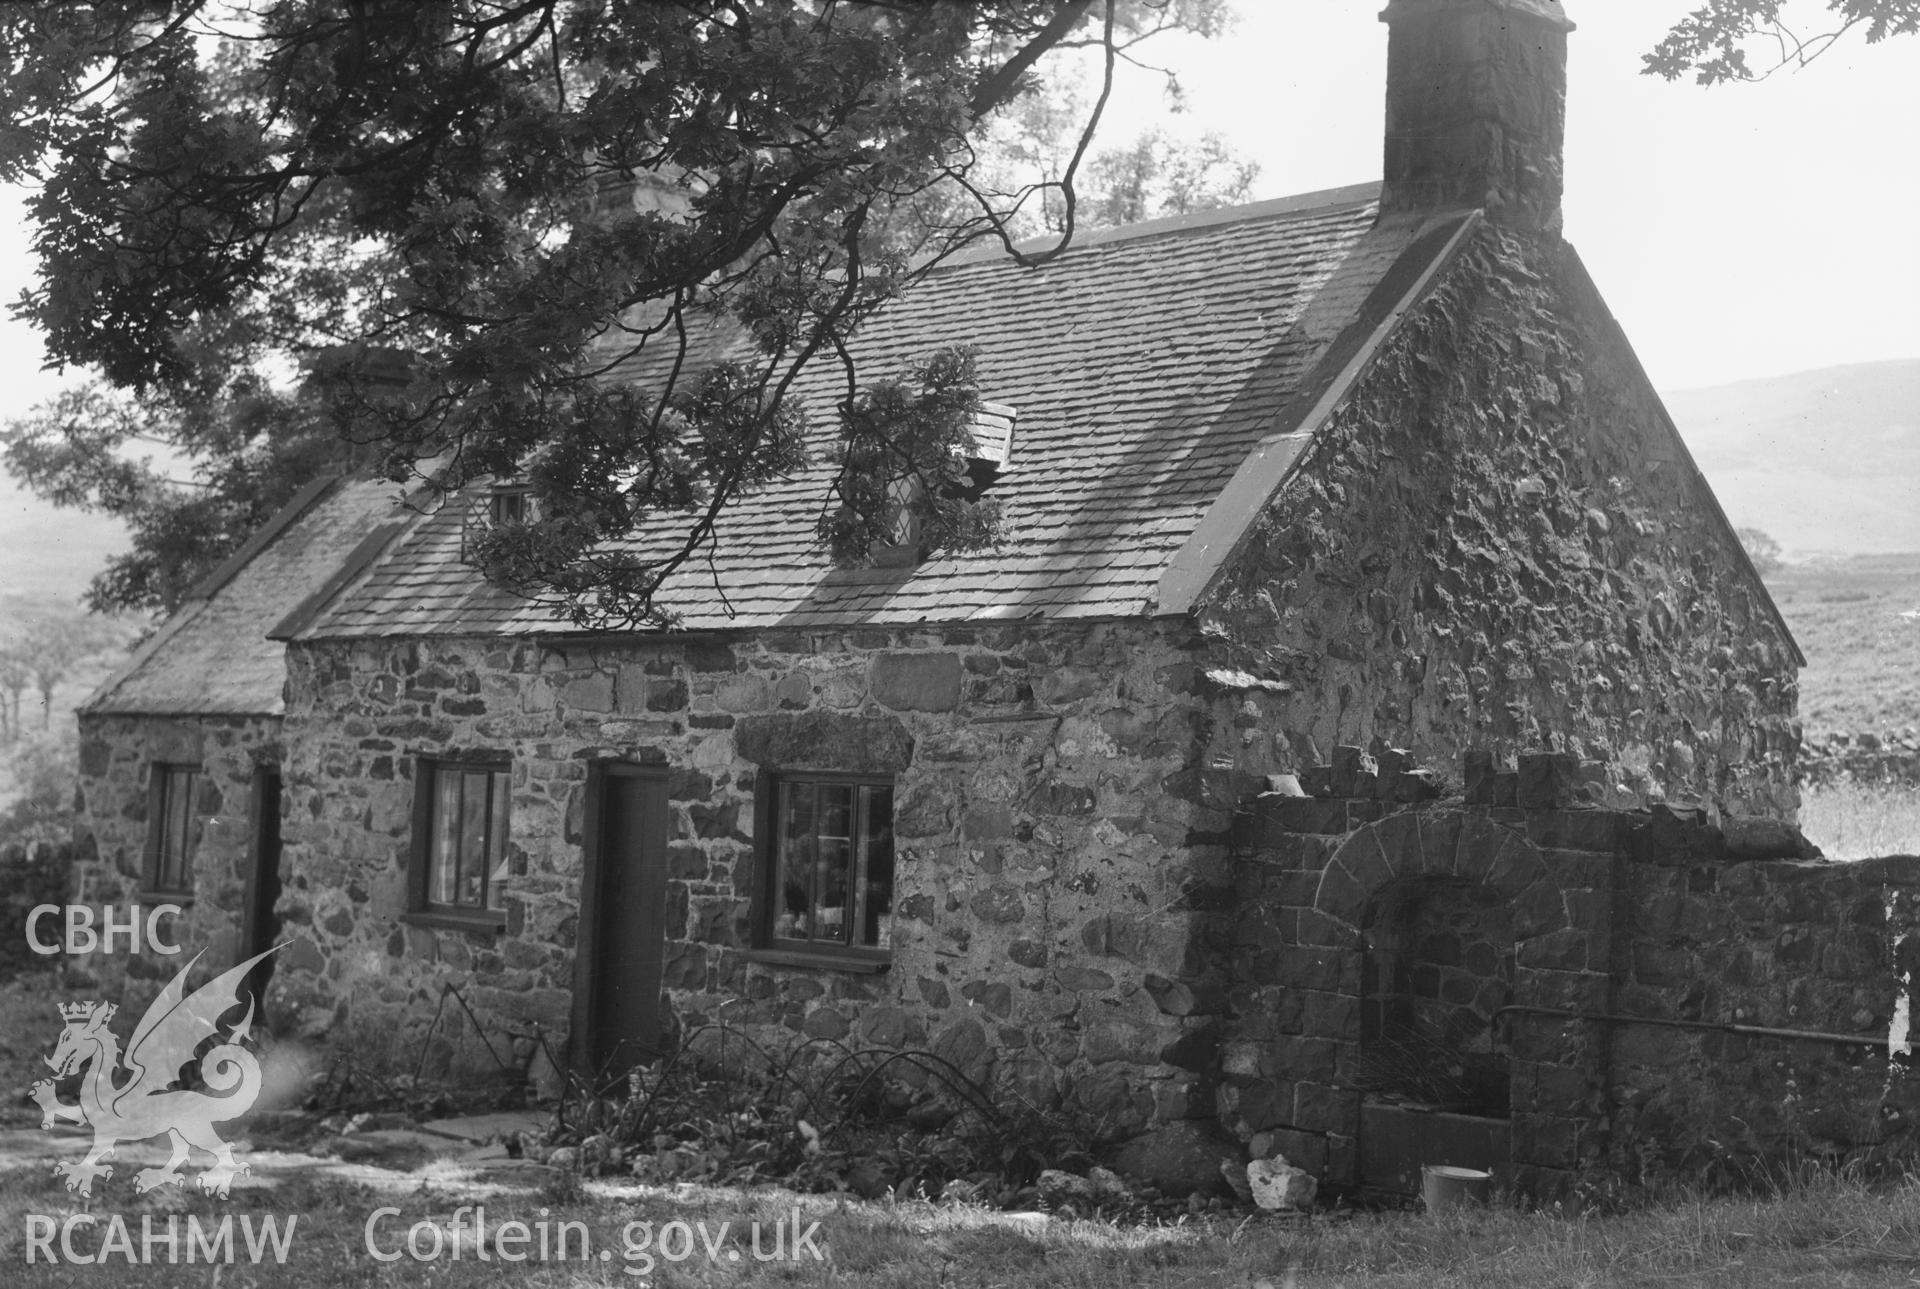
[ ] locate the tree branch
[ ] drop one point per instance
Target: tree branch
(997, 88)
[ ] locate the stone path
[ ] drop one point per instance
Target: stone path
(452, 1154)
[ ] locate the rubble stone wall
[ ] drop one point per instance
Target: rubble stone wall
(1648, 949)
(117, 755)
(1497, 543)
(1778, 944)
(1051, 843)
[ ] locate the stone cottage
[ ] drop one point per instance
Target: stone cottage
(180, 747)
(1369, 468)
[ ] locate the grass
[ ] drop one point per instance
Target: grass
(1829, 1232)
(1863, 656)
(1852, 820)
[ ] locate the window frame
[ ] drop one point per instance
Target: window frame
(503, 498)
(162, 794)
(767, 900)
(422, 908)
(903, 547)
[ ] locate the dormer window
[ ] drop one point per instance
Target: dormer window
(903, 522)
(917, 456)
(489, 509)
(509, 504)
(992, 430)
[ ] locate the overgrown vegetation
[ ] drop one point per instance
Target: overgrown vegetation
(1852, 820)
(51, 656)
(1815, 1228)
(44, 643)
(495, 241)
(31, 874)
(818, 1116)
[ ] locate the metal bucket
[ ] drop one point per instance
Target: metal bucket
(1443, 1186)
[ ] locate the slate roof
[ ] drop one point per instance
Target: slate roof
(1143, 368)
(212, 656)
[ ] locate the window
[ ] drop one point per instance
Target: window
(902, 498)
(460, 839)
(173, 830)
(509, 505)
(828, 867)
(905, 505)
(493, 508)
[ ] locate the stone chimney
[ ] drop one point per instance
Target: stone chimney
(1476, 108)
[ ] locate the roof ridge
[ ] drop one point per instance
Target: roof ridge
(1306, 203)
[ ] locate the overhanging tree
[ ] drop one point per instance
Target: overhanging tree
(1713, 41)
(421, 207)
(424, 207)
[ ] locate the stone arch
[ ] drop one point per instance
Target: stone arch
(1442, 845)
(1410, 856)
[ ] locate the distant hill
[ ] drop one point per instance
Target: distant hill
(1826, 462)
(51, 552)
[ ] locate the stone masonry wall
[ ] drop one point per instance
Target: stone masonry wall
(1053, 866)
(1651, 926)
(1495, 543)
(117, 754)
(1780, 944)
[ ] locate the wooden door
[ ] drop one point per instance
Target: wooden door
(259, 928)
(616, 1005)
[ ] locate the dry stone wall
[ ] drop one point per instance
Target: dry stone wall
(1892, 756)
(1495, 543)
(1055, 858)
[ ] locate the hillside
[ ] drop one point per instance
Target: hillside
(1826, 462)
(1858, 621)
(51, 552)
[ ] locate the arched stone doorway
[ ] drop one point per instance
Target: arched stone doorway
(1438, 919)
(1436, 973)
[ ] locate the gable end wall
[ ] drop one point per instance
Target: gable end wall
(1495, 542)
(117, 755)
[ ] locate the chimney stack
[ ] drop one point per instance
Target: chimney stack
(1476, 108)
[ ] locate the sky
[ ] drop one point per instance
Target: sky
(1736, 232)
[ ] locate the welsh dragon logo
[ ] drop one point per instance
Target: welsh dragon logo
(147, 1104)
